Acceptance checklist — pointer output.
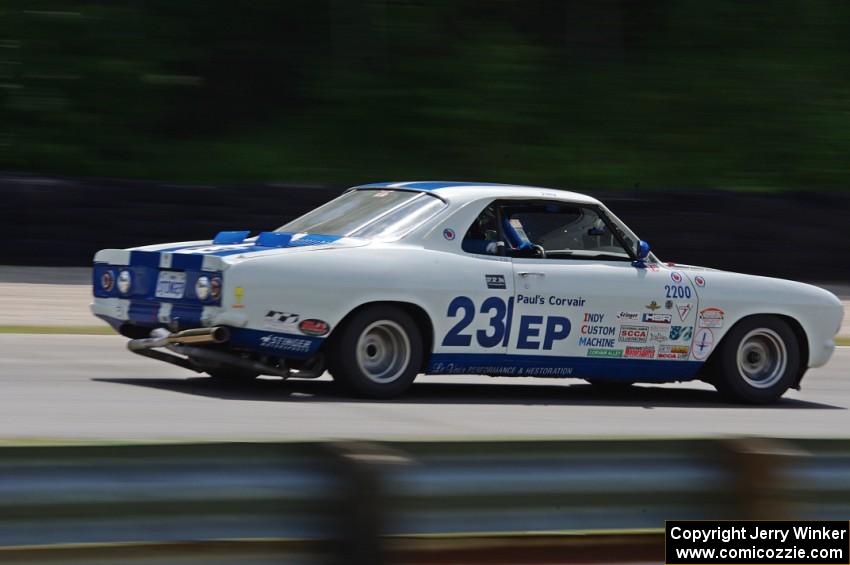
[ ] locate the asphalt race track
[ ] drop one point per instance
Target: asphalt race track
(91, 387)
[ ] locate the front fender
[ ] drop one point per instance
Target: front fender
(819, 312)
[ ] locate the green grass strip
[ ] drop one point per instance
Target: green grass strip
(74, 330)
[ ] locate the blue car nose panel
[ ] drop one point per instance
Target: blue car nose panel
(273, 239)
(230, 237)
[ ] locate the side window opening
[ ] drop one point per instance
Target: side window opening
(566, 231)
(560, 230)
(545, 230)
(482, 237)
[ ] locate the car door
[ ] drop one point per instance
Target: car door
(472, 326)
(585, 309)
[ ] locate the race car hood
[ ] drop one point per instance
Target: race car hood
(681, 267)
(228, 248)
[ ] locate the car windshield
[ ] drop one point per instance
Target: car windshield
(368, 213)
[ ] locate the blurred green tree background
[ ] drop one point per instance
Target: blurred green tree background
(593, 94)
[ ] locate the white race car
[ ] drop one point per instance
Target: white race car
(391, 280)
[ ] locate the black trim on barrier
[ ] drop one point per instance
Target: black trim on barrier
(64, 221)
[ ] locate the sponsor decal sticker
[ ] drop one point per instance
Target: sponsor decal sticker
(711, 318)
(593, 326)
(633, 316)
(703, 342)
(653, 306)
(540, 300)
(284, 343)
(561, 301)
(276, 320)
(239, 294)
(676, 277)
(673, 352)
(314, 327)
(669, 304)
(585, 341)
(497, 369)
(643, 352)
(634, 334)
(681, 333)
(657, 318)
(610, 353)
(684, 310)
(699, 281)
(658, 337)
(495, 282)
(449, 233)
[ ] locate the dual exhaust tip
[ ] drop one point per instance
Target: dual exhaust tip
(161, 337)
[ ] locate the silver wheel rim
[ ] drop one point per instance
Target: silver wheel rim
(383, 351)
(762, 358)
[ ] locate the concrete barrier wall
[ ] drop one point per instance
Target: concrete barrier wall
(62, 222)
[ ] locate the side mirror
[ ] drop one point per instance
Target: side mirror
(643, 250)
(642, 254)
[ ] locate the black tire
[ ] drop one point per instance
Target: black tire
(234, 375)
(757, 361)
(377, 353)
(610, 386)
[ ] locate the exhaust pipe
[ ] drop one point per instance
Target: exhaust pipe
(161, 337)
(187, 355)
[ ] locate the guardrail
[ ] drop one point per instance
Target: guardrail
(400, 501)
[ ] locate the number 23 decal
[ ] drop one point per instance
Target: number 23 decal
(498, 331)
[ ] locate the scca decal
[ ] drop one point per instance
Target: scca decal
(498, 332)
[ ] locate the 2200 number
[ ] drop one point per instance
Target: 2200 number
(677, 291)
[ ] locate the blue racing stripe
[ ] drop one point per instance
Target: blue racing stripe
(187, 315)
(435, 185)
(187, 261)
(144, 312)
(647, 370)
(144, 259)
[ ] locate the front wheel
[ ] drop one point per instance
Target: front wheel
(758, 360)
(378, 352)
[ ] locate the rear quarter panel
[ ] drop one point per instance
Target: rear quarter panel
(328, 284)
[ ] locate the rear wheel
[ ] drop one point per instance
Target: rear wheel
(377, 353)
(758, 360)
